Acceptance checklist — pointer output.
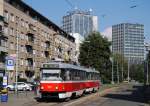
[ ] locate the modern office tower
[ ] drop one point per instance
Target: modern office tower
(39, 39)
(128, 40)
(80, 22)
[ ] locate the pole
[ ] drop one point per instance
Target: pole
(117, 73)
(147, 76)
(122, 73)
(112, 74)
(128, 70)
(17, 53)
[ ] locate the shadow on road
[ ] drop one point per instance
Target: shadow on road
(136, 94)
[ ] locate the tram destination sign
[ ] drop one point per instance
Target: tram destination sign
(50, 65)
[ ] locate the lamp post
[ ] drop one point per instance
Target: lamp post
(17, 59)
(112, 71)
(147, 47)
(147, 72)
(128, 69)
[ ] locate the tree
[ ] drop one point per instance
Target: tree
(137, 72)
(95, 52)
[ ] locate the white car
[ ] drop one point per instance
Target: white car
(20, 86)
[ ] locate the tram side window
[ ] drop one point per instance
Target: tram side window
(65, 74)
(89, 76)
(62, 74)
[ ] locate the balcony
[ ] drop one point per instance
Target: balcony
(46, 54)
(6, 21)
(29, 55)
(1, 18)
(3, 35)
(31, 68)
(30, 39)
(32, 27)
(2, 65)
(3, 49)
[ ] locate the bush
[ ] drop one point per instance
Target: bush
(22, 80)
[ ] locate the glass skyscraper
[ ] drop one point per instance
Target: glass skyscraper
(80, 22)
(128, 40)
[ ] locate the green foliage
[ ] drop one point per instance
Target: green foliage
(137, 72)
(95, 52)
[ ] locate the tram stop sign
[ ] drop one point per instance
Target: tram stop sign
(10, 63)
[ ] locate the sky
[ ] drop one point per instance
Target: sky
(109, 12)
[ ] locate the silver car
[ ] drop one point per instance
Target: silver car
(20, 86)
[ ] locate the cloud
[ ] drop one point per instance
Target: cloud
(108, 33)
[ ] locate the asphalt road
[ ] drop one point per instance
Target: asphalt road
(125, 95)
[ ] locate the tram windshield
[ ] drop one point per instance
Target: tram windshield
(51, 75)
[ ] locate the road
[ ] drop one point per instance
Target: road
(125, 95)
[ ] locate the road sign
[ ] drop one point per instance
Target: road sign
(5, 81)
(10, 63)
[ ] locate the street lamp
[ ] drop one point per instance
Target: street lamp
(112, 71)
(128, 69)
(147, 64)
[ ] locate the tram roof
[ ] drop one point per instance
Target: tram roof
(68, 66)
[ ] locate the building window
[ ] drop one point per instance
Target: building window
(21, 62)
(22, 48)
(6, 30)
(11, 31)
(11, 46)
(12, 18)
(6, 15)
(22, 23)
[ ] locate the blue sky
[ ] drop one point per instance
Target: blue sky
(115, 11)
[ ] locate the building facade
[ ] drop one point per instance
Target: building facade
(80, 22)
(78, 40)
(38, 39)
(128, 40)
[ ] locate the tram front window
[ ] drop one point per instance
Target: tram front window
(51, 75)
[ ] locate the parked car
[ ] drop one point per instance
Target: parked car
(20, 86)
(32, 85)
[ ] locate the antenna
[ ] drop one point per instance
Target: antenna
(71, 5)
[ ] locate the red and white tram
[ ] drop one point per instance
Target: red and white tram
(62, 80)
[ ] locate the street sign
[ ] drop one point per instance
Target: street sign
(5, 81)
(10, 63)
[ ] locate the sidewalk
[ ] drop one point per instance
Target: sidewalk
(20, 99)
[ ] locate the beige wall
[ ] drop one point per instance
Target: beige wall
(1, 7)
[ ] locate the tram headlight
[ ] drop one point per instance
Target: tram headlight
(63, 87)
(42, 87)
(56, 87)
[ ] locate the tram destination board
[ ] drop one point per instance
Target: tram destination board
(50, 65)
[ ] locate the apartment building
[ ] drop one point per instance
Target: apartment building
(39, 39)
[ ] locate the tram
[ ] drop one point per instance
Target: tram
(64, 80)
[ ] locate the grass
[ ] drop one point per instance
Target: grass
(106, 86)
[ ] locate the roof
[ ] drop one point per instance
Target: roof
(69, 66)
